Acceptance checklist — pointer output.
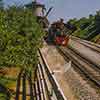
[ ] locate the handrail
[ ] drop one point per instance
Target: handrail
(56, 88)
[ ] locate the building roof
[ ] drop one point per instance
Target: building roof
(35, 4)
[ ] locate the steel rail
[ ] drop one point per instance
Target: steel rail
(95, 66)
(39, 89)
(40, 77)
(47, 92)
(78, 65)
(57, 90)
(88, 44)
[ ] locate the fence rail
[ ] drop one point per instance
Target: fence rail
(54, 91)
(42, 87)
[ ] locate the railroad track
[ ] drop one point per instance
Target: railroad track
(96, 65)
(90, 45)
(88, 69)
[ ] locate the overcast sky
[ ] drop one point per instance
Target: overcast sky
(66, 8)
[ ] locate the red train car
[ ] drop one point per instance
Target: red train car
(61, 40)
(59, 32)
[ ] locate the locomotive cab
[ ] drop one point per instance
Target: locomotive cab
(59, 33)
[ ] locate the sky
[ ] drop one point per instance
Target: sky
(66, 9)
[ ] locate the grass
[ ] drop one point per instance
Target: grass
(8, 77)
(2, 96)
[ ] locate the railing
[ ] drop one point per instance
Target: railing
(51, 86)
(42, 87)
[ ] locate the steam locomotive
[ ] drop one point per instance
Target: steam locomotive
(58, 33)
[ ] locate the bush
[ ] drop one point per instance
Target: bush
(20, 37)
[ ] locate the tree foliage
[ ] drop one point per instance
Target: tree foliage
(20, 37)
(87, 27)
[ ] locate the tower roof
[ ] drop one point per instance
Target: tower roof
(35, 4)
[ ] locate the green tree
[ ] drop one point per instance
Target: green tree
(95, 29)
(20, 38)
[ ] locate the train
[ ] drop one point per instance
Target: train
(59, 32)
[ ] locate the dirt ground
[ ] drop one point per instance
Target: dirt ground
(72, 84)
(56, 63)
(87, 52)
(8, 76)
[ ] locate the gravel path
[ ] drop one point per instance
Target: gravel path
(70, 81)
(87, 52)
